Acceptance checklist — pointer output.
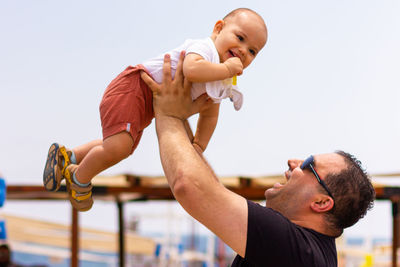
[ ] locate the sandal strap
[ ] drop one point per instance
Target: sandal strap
(79, 197)
(74, 193)
(66, 158)
(68, 177)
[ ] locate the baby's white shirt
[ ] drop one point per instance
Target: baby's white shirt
(217, 90)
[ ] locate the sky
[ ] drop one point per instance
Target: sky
(327, 79)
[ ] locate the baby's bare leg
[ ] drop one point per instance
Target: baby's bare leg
(82, 150)
(103, 155)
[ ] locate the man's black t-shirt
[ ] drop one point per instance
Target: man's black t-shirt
(273, 240)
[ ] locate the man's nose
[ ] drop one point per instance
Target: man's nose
(294, 163)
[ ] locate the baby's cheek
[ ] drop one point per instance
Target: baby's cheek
(247, 63)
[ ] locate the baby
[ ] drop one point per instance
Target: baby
(126, 108)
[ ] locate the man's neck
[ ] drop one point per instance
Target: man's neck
(318, 224)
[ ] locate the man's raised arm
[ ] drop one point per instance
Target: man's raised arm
(191, 179)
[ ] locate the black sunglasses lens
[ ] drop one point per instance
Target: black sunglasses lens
(306, 163)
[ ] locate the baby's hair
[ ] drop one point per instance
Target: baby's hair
(236, 11)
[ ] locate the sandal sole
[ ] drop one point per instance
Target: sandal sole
(52, 170)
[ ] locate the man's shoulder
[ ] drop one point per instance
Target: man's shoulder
(269, 230)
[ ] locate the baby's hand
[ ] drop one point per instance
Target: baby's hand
(234, 65)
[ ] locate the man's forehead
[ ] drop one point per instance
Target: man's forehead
(330, 162)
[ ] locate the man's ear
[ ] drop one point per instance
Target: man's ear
(322, 203)
(218, 26)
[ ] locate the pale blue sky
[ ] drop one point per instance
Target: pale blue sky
(327, 79)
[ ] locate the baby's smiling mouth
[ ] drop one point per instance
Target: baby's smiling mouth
(232, 54)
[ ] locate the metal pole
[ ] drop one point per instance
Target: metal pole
(121, 234)
(74, 239)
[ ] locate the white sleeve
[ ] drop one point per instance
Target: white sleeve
(202, 48)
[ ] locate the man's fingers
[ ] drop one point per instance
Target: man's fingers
(202, 102)
(179, 67)
(167, 70)
(187, 86)
(155, 87)
(179, 78)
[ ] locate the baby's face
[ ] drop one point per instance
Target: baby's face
(242, 36)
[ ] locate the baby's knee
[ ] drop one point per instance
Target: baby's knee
(118, 153)
(125, 152)
(118, 147)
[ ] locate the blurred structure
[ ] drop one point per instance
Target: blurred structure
(127, 188)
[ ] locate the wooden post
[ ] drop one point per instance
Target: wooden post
(74, 239)
(396, 222)
(121, 240)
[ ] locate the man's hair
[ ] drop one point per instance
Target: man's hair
(353, 193)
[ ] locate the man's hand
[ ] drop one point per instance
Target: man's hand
(173, 97)
(190, 177)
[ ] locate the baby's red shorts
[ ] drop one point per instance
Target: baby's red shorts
(127, 105)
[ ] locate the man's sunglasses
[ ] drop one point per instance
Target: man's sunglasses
(308, 163)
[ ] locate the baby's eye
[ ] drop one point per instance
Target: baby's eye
(252, 52)
(240, 37)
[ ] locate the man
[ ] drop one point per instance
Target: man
(323, 194)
